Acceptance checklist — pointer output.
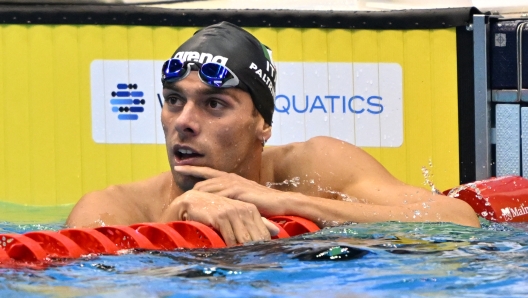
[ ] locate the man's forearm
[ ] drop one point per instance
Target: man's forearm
(327, 212)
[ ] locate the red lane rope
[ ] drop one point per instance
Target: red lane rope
(91, 240)
(197, 234)
(38, 249)
(294, 225)
(500, 199)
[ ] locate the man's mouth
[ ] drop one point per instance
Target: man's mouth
(186, 153)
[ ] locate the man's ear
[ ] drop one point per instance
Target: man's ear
(266, 132)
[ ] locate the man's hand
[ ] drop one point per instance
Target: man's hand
(267, 200)
(237, 222)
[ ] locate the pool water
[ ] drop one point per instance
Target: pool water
(372, 260)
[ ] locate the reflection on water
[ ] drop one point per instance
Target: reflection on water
(382, 259)
(33, 214)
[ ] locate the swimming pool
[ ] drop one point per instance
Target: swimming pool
(383, 259)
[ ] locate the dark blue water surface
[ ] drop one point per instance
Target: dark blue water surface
(372, 260)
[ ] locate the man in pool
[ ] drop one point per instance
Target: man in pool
(219, 101)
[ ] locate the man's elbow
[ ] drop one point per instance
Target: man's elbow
(465, 215)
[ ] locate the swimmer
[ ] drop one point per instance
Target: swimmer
(218, 91)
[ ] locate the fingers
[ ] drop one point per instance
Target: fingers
(199, 172)
(243, 224)
(248, 225)
(212, 185)
(227, 233)
(236, 221)
(255, 224)
(272, 228)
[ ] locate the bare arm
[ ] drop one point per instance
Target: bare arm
(237, 221)
(104, 207)
(325, 212)
(381, 197)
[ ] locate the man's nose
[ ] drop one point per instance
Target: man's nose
(187, 120)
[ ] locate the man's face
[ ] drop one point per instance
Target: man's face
(213, 127)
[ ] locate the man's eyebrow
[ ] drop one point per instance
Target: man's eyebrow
(202, 91)
(172, 87)
(214, 91)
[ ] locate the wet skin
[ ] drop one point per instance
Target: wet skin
(216, 128)
(219, 171)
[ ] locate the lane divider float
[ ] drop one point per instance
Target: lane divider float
(40, 249)
(500, 199)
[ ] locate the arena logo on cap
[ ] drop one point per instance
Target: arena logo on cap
(200, 57)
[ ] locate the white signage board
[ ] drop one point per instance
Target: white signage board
(361, 103)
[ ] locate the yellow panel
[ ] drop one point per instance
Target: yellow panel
(93, 157)
(266, 36)
(289, 46)
(42, 107)
(165, 42)
(390, 50)
(314, 45)
(140, 46)
(444, 106)
(48, 156)
(2, 121)
(365, 49)
(17, 136)
(417, 97)
(67, 111)
(339, 45)
(365, 45)
(118, 157)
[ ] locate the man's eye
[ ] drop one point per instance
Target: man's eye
(214, 104)
(173, 100)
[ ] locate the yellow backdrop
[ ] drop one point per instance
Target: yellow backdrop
(48, 156)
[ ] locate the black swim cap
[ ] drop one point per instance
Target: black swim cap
(242, 53)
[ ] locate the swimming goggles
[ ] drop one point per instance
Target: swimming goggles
(211, 73)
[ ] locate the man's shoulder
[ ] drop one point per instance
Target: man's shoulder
(133, 189)
(132, 201)
(324, 160)
(310, 147)
(320, 142)
(308, 155)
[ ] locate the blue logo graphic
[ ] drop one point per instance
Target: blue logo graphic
(127, 103)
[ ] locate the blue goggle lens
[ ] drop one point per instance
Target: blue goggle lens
(212, 74)
(173, 68)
